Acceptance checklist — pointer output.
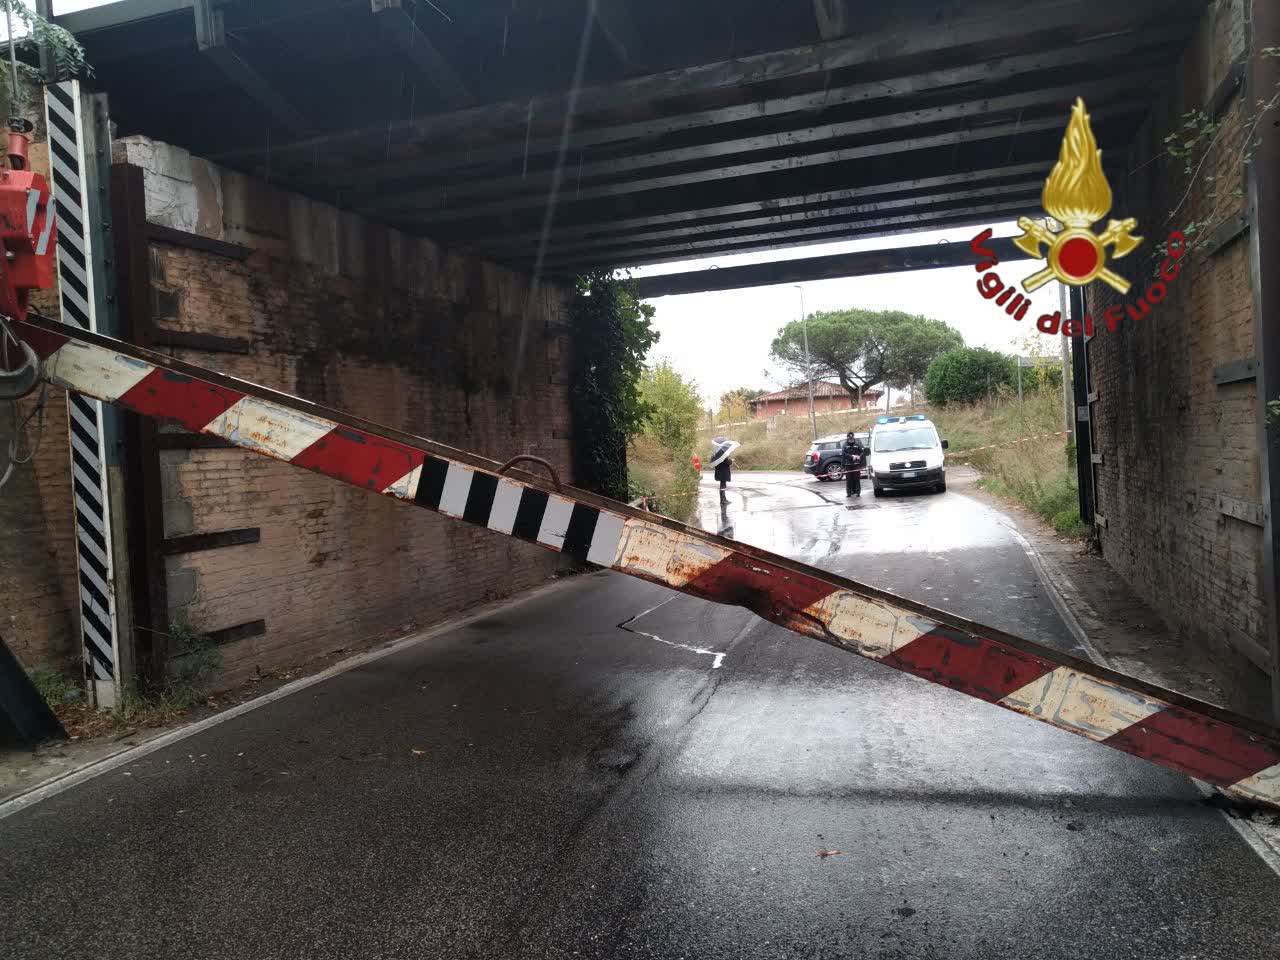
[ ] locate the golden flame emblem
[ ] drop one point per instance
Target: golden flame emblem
(1077, 195)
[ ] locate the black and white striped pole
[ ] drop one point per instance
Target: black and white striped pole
(80, 277)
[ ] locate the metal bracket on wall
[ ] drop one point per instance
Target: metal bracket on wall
(1236, 371)
(158, 233)
(206, 342)
(1226, 90)
(1221, 238)
(212, 540)
(1256, 653)
(241, 631)
(1247, 510)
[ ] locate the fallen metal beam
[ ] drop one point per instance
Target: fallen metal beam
(402, 30)
(862, 263)
(211, 39)
(1197, 739)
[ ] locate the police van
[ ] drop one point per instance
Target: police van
(906, 454)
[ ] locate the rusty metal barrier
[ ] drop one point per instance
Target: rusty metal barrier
(1231, 751)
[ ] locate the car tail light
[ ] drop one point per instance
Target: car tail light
(813, 458)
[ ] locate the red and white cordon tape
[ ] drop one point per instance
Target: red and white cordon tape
(1008, 443)
(1233, 752)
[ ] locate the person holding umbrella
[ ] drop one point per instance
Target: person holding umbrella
(721, 462)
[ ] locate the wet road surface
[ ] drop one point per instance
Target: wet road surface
(543, 783)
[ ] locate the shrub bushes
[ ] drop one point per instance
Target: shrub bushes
(968, 374)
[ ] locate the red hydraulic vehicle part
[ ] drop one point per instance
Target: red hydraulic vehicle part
(28, 235)
(27, 230)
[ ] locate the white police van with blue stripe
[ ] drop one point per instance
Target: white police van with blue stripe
(906, 453)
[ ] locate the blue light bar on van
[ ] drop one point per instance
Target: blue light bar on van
(918, 416)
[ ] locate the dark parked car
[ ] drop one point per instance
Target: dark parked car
(825, 458)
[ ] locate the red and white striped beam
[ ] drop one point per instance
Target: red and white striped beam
(1225, 749)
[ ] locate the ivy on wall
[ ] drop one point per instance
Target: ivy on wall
(611, 331)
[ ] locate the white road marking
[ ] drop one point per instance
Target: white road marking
(717, 658)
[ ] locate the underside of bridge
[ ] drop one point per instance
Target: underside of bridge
(374, 191)
(648, 132)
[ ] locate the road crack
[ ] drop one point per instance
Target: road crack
(717, 658)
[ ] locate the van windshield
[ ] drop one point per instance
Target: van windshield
(920, 438)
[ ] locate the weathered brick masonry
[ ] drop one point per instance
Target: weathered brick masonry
(382, 325)
(1172, 440)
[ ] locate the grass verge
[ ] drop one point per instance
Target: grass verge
(667, 479)
(55, 686)
(195, 661)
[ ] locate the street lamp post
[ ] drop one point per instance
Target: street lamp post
(1068, 416)
(808, 366)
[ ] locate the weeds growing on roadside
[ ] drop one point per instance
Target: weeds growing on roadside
(195, 660)
(668, 480)
(55, 686)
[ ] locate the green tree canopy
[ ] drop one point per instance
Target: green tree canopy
(733, 403)
(612, 332)
(863, 347)
(967, 374)
(912, 343)
(674, 407)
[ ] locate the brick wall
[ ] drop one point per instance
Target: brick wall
(1171, 439)
(381, 325)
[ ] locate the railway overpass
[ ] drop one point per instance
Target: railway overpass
(381, 204)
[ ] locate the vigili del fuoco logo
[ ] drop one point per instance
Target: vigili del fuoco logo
(1077, 195)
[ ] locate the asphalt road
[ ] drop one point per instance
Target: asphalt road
(542, 783)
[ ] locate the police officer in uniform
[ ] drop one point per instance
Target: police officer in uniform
(854, 454)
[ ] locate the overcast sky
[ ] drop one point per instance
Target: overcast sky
(722, 339)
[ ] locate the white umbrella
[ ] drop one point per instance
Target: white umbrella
(724, 449)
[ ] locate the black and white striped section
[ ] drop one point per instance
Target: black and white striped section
(75, 277)
(577, 529)
(93, 536)
(76, 297)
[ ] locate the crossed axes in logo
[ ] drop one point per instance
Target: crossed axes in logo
(1076, 255)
